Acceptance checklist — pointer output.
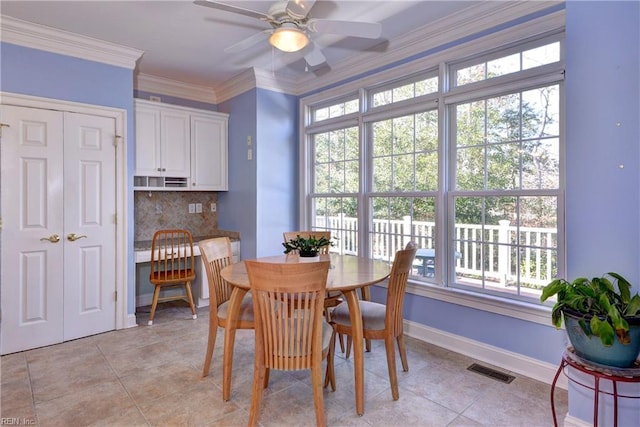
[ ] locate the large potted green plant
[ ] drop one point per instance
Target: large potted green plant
(601, 317)
(306, 246)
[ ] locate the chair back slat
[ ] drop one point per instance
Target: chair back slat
(400, 272)
(172, 258)
(288, 300)
(216, 255)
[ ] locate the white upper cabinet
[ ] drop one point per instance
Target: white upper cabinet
(179, 148)
(209, 152)
(163, 146)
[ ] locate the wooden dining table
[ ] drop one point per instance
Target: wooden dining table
(347, 274)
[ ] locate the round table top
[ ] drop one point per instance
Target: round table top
(346, 271)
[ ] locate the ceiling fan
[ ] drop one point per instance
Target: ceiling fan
(291, 26)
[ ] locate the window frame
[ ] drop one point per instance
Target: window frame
(440, 61)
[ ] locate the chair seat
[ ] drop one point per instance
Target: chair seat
(177, 275)
(246, 309)
(373, 315)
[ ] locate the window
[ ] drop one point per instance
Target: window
(401, 91)
(336, 109)
(500, 64)
(463, 158)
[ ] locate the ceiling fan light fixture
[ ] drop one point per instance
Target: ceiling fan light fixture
(288, 38)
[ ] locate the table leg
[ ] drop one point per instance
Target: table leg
(237, 294)
(355, 317)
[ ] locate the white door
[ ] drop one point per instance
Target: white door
(58, 177)
(89, 214)
(32, 266)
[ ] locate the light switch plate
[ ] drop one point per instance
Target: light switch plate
(214, 207)
(198, 207)
(192, 208)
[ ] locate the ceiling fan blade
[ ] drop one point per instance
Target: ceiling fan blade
(235, 9)
(369, 30)
(298, 9)
(249, 41)
(314, 56)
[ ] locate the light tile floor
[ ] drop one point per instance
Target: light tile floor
(152, 376)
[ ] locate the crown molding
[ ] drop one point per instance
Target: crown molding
(28, 34)
(178, 89)
(276, 82)
(470, 21)
(236, 85)
(253, 78)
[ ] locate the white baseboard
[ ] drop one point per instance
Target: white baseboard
(144, 299)
(496, 356)
(570, 421)
(131, 321)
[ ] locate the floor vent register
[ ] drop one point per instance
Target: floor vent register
(491, 373)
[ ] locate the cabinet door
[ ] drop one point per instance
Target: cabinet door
(147, 124)
(176, 145)
(208, 153)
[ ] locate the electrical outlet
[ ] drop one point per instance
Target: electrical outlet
(198, 207)
(158, 209)
(192, 208)
(214, 207)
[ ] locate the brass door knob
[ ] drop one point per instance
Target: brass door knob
(72, 237)
(54, 238)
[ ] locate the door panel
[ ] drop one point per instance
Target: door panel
(31, 201)
(58, 176)
(90, 206)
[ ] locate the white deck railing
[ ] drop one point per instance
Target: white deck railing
(493, 257)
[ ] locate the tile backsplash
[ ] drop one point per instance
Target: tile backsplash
(157, 210)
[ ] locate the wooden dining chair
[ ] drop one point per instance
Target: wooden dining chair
(216, 255)
(291, 332)
(332, 299)
(172, 265)
(384, 321)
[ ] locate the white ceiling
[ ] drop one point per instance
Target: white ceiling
(185, 42)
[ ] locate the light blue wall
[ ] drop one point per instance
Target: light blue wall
(49, 75)
(237, 207)
(262, 199)
(602, 87)
(603, 200)
(277, 173)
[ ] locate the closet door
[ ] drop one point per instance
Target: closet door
(59, 227)
(32, 228)
(89, 225)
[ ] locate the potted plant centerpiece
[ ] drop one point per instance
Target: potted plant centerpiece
(602, 322)
(306, 246)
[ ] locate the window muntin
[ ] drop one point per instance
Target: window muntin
(485, 69)
(336, 161)
(404, 90)
(336, 183)
(340, 216)
(502, 144)
(507, 165)
(405, 153)
(398, 220)
(509, 142)
(335, 109)
(507, 244)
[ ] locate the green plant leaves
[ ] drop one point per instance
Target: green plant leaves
(596, 299)
(603, 330)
